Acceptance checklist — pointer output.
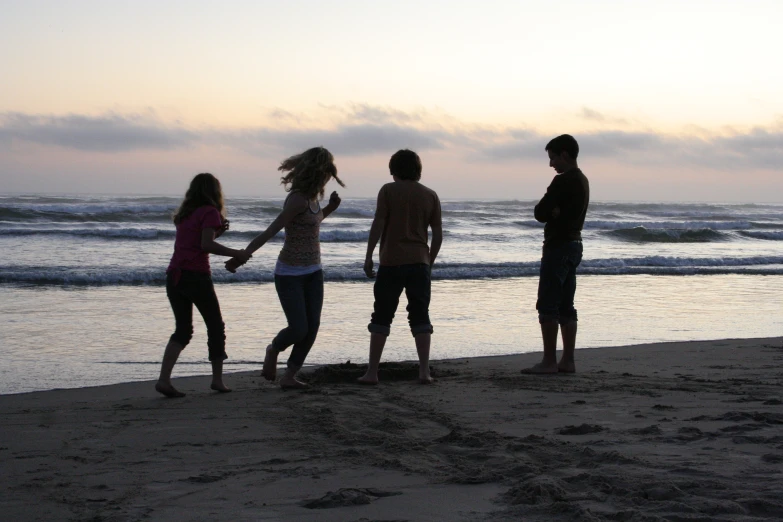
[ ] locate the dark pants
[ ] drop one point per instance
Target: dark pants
(557, 282)
(302, 298)
(196, 288)
(389, 284)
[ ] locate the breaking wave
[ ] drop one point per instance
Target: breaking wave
(651, 265)
(668, 235)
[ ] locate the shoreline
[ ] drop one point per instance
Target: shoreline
(247, 374)
(685, 430)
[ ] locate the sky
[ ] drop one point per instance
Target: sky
(669, 100)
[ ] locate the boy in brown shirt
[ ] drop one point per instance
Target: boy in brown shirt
(405, 210)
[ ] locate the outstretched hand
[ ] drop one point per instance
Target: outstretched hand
(369, 268)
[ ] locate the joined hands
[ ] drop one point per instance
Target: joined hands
(235, 262)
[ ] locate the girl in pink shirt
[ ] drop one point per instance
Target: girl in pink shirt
(200, 219)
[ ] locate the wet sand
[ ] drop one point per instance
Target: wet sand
(672, 431)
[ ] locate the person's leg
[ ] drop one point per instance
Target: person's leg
(208, 305)
(314, 300)
(418, 290)
(182, 307)
(568, 315)
(548, 363)
(548, 306)
(567, 363)
(290, 291)
(387, 290)
(377, 343)
(423, 350)
(170, 356)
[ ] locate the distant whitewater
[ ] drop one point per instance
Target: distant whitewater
(99, 241)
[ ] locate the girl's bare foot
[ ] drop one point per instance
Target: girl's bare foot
(168, 390)
(269, 371)
(368, 380)
(292, 383)
(218, 386)
(426, 380)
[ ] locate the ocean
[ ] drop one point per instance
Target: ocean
(84, 303)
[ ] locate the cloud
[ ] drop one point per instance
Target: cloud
(350, 140)
(376, 114)
(363, 130)
(757, 148)
(117, 133)
(108, 133)
(599, 117)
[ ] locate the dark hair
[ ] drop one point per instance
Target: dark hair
(405, 164)
(309, 172)
(204, 190)
(563, 143)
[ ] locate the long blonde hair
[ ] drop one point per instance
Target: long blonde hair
(204, 189)
(309, 172)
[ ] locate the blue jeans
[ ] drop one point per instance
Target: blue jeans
(389, 284)
(302, 298)
(557, 282)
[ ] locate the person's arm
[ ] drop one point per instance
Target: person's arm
(437, 241)
(295, 205)
(436, 224)
(219, 231)
(378, 224)
(208, 244)
(375, 235)
(548, 208)
(334, 202)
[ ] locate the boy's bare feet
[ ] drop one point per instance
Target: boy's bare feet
(566, 366)
(269, 371)
(218, 386)
(168, 390)
(424, 374)
(368, 380)
(541, 369)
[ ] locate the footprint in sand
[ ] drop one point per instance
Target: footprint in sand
(582, 429)
(347, 497)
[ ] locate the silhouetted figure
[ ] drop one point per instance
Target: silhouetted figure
(405, 211)
(299, 279)
(200, 219)
(563, 208)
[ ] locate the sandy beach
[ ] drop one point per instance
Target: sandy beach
(673, 431)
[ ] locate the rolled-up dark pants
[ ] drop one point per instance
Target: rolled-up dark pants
(416, 280)
(196, 288)
(557, 282)
(302, 298)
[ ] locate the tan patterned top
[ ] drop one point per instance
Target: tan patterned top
(302, 247)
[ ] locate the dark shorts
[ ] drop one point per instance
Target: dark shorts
(389, 284)
(557, 282)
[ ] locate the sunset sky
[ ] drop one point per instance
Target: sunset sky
(669, 100)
